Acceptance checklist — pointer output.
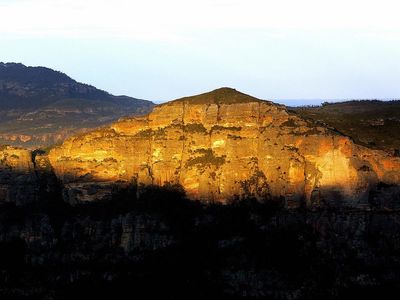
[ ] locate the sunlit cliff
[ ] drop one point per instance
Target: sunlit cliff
(225, 144)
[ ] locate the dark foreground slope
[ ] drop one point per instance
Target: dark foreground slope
(40, 106)
(158, 245)
(375, 124)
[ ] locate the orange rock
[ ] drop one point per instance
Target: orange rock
(224, 144)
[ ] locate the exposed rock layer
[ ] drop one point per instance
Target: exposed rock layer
(18, 182)
(224, 144)
(25, 176)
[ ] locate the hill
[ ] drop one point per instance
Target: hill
(40, 106)
(370, 123)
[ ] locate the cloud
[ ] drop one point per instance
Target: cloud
(173, 19)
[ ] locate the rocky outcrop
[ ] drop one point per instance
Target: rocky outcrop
(25, 176)
(18, 182)
(226, 144)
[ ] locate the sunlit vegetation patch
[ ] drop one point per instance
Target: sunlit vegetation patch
(160, 133)
(195, 128)
(234, 137)
(206, 158)
(144, 133)
(221, 128)
(110, 160)
(291, 148)
(289, 123)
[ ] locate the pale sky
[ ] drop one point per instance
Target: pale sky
(161, 50)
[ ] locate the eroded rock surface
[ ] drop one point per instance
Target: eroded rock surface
(18, 182)
(25, 176)
(224, 144)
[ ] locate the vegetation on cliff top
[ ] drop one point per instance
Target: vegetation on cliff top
(374, 124)
(219, 96)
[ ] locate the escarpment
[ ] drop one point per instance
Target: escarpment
(221, 145)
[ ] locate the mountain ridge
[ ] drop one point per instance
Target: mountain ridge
(40, 106)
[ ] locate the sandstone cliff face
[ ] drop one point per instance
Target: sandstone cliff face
(25, 176)
(224, 144)
(18, 182)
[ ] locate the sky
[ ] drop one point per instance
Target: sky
(162, 50)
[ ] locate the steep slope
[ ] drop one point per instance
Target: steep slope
(369, 123)
(221, 145)
(40, 106)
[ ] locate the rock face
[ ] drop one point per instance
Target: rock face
(18, 182)
(25, 176)
(226, 144)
